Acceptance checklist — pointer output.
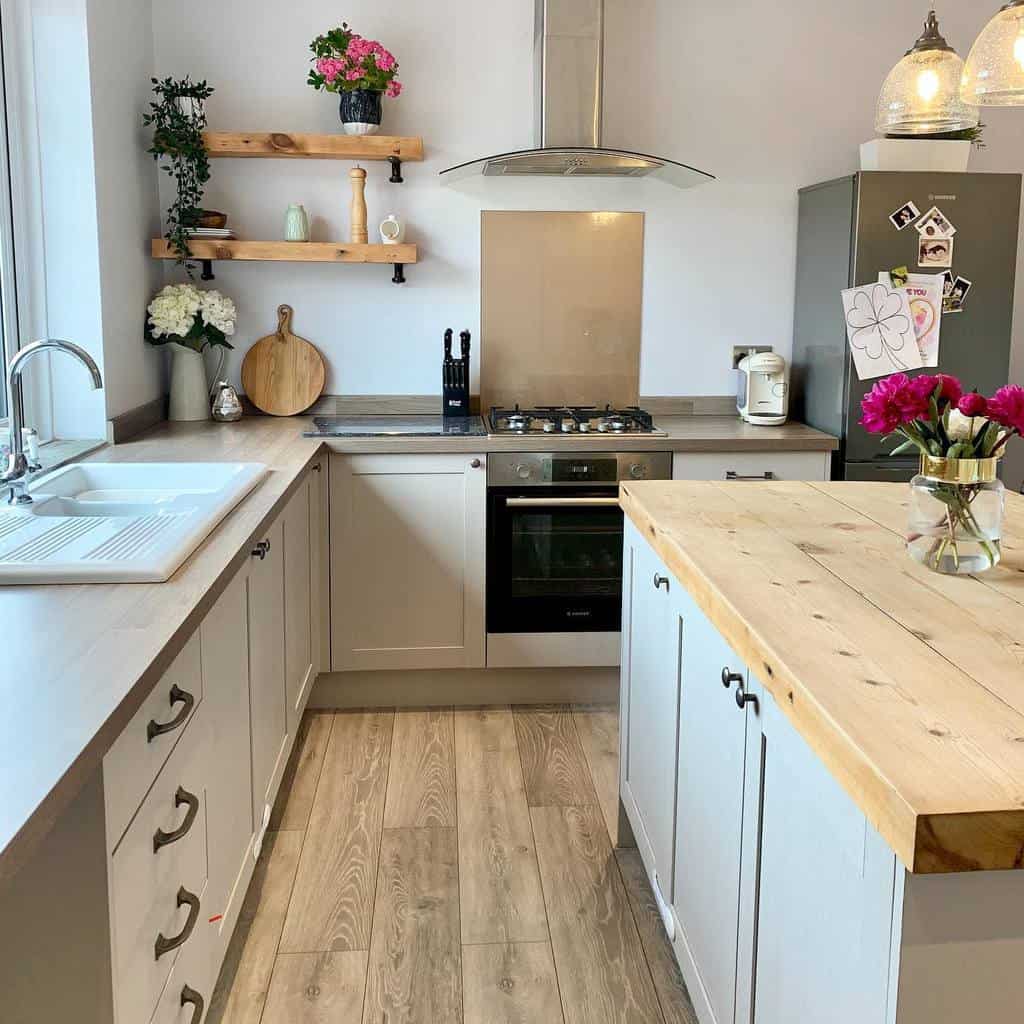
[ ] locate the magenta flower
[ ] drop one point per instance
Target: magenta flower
(973, 404)
(394, 89)
(923, 387)
(885, 407)
(1006, 407)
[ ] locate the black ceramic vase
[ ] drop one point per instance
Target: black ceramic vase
(361, 111)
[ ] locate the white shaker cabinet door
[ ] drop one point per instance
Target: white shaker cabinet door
(267, 696)
(709, 813)
(298, 626)
(650, 695)
(825, 907)
(408, 540)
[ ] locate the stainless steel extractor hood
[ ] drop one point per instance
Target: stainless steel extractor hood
(568, 52)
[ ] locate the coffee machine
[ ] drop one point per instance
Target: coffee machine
(763, 393)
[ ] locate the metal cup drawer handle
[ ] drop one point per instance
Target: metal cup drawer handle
(182, 796)
(185, 898)
(178, 696)
(661, 581)
(190, 995)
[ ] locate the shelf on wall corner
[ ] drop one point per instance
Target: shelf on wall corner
(208, 250)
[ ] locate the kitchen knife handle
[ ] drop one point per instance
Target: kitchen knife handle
(448, 345)
(464, 339)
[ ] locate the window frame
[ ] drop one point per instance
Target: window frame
(22, 247)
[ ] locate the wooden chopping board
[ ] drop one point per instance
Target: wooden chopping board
(282, 373)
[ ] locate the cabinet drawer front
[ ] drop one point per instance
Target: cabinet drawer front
(146, 881)
(738, 465)
(132, 763)
(186, 996)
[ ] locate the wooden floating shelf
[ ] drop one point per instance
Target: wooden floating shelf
(306, 146)
(207, 250)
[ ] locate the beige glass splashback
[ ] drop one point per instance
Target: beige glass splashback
(561, 297)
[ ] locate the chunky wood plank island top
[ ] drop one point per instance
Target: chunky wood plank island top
(908, 685)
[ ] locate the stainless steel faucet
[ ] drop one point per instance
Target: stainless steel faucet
(15, 476)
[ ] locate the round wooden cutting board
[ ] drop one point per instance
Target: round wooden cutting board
(282, 373)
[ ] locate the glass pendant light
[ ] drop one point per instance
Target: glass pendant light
(921, 95)
(994, 74)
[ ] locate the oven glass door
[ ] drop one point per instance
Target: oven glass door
(554, 560)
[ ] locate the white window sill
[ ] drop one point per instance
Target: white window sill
(54, 454)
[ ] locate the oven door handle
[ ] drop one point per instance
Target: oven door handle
(562, 502)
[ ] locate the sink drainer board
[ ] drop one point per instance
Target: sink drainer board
(142, 538)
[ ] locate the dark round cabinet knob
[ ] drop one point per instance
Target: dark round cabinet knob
(476, 464)
(729, 677)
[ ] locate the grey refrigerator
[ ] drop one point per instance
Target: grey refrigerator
(845, 239)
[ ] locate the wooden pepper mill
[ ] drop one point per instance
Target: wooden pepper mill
(358, 231)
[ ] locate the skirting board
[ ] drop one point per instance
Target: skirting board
(465, 687)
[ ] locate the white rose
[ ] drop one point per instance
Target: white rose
(964, 428)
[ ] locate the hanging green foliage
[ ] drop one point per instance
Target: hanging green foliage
(178, 118)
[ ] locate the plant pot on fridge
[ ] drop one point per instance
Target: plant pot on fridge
(924, 154)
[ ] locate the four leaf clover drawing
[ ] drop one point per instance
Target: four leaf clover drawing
(878, 324)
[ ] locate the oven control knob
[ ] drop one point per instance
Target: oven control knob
(523, 471)
(637, 470)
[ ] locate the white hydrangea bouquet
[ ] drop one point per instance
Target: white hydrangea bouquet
(184, 314)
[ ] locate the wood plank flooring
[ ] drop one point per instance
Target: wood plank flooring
(450, 867)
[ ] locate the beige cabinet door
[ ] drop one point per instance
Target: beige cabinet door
(320, 563)
(267, 697)
(224, 636)
(298, 639)
(408, 540)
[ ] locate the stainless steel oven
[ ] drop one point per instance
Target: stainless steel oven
(554, 554)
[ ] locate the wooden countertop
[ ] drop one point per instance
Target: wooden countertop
(82, 658)
(908, 685)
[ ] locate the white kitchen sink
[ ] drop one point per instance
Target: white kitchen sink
(96, 522)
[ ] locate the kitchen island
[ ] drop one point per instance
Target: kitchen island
(822, 754)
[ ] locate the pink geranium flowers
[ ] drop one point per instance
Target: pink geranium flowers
(344, 61)
(933, 415)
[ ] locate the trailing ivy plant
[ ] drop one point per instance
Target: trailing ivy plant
(178, 120)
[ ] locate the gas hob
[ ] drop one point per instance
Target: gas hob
(556, 421)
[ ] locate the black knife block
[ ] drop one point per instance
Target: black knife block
(455, 389)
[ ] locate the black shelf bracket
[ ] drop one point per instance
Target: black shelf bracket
(399, 277)
(207, 274)
(396, 170)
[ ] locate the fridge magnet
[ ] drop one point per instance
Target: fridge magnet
(897, 277)
(879, 327)
(958, 295)
(904, 216)
(935, 252)
(935, 224)
(948, 280)
(924, 294)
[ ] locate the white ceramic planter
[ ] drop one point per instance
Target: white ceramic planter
(914, 155)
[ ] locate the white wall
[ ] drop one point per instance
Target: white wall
(766, 99)
(121, 65)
